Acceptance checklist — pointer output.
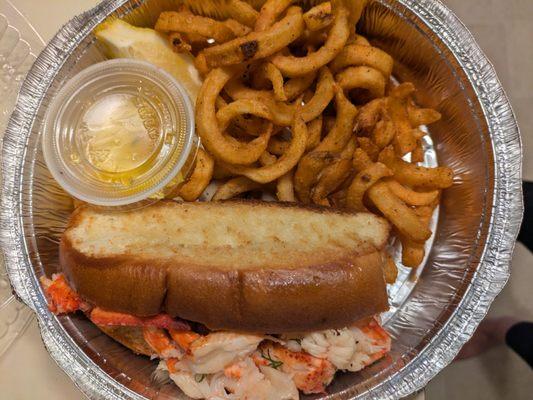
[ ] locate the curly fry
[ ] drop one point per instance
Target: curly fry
(186, 22)
(223, 147)
(257, 45)
(285, 187)
(309, 166)
(363, 181)
(363, 55)
(334, 175)
(362, 78)
(410, 197)
(242, 11)
(291, 66)
(235, 187)
(269, 12)
(284, 164)
(200, 178)
(319, 17)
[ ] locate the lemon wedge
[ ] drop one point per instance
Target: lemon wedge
(122, 40)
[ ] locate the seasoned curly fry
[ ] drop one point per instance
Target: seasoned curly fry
(400, 215)
(296, 86)
(362, 55)
(223, 147)
(319, 17)
(231, 111)
(285, 163)
(362, 182)
(415, 176)
(269, 13)
(402, 91)
(220, 172)
(412, 252)
(360, 40)
(333, 175)
(274, 76)
(186, 22)
(337, 138)
(390, 270)
(369, 147)
(267, 159)
(338, 199)
(370, 114)
(418, 133)
(200, 178)
(235, 187)
(417, 155)
(293, 88)
(383, 133)
(277, 146)
(248, 125)
(237, 28)
(422, 116)
(362, 78)
(179, 43)
(356, 8)
(257, 45)
(314, 129)
(410, 197)
(361, 160)
(285, 187)
(404, 141)
(325, 90)
(283, 113)
(292, 66)
(309, 166)
(329, 123)
(242, 11)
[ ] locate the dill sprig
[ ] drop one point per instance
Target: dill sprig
(271, 362)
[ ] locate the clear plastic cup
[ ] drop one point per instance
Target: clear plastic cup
(119, 132)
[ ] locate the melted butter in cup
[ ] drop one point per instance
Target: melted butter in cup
(120, 132)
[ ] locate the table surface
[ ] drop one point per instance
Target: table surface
(28, 372)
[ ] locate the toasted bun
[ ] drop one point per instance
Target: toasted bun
(249, 266)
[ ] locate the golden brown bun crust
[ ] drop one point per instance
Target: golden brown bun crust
(329, 290)
(129, 336)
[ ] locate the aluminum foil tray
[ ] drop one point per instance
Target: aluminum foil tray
(434, 312)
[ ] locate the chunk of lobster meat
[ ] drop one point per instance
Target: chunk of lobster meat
(240, 380)
(194, 386)
(100, 316)
(349, 349)
(184, 339)
(374, 341)
(161, 343)
(213, 352)
(61, 297)
(310, 374)
(246, 380)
